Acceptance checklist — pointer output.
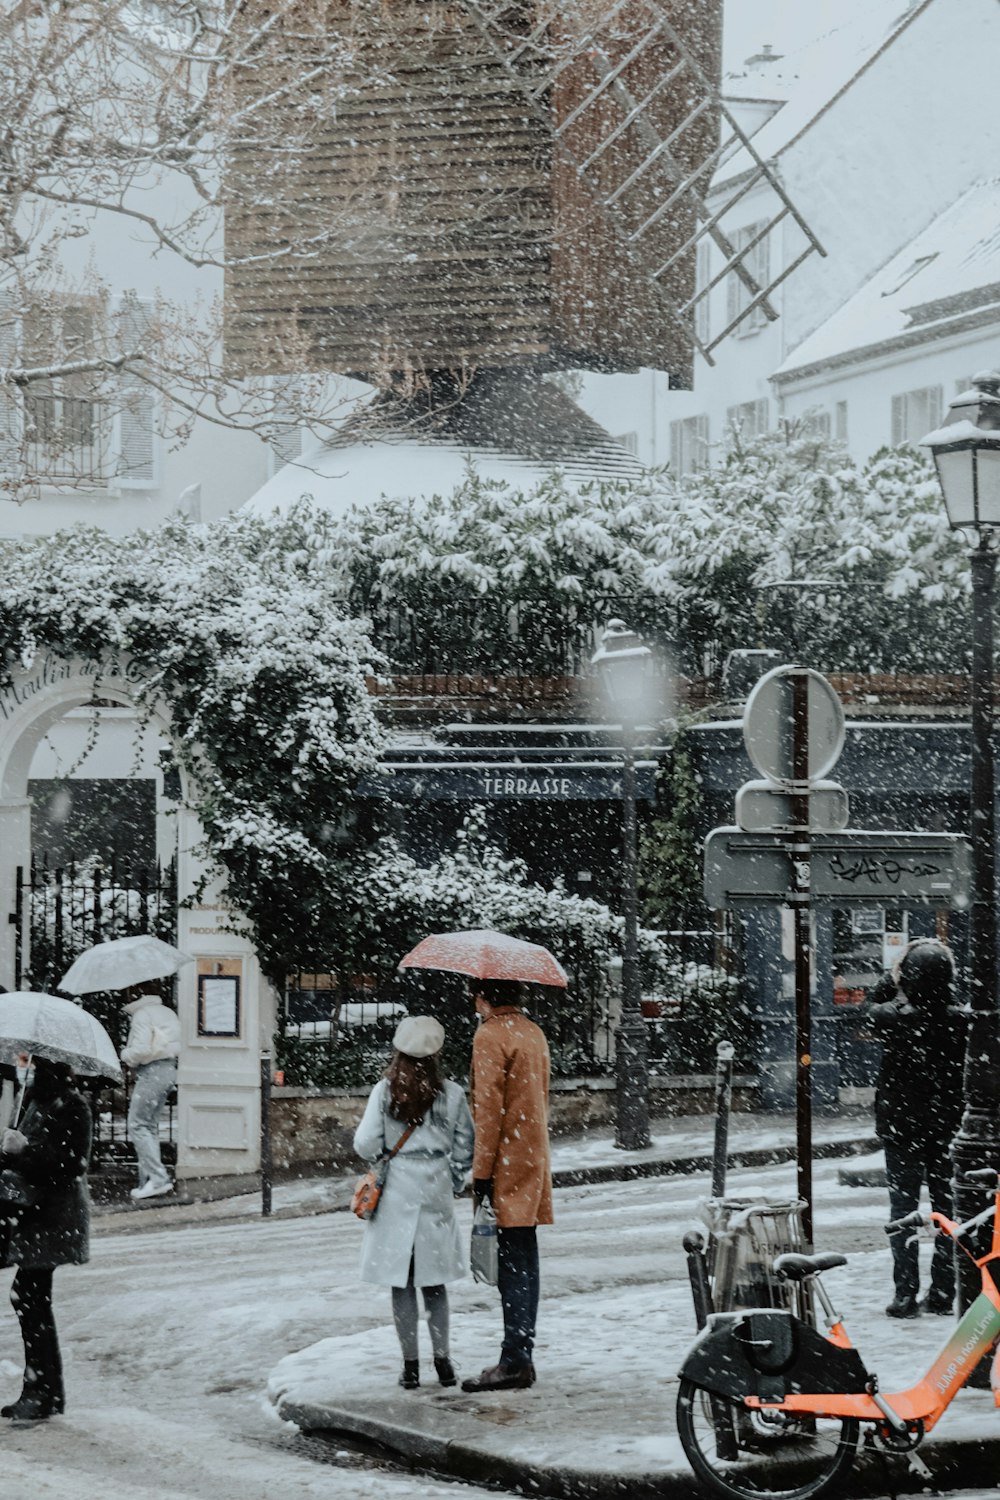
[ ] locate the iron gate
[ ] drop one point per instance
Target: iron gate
(59, 912)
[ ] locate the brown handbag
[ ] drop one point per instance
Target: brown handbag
(368, 1189)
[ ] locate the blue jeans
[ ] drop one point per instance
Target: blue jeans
(519, 1283)
(153, 1082)
(907, 1166)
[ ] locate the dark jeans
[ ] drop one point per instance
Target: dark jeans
(31, 1299)
(519, 1283)
(907, 1167)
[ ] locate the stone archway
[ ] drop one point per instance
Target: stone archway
(225, 1008)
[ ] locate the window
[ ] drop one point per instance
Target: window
(816, 422)
(913, 269)
(66, 424)
(749, 419)
(689, 445)
(757, 261)
(915, 413)
(86, 428)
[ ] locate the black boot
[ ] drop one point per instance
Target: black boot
(445, 1370)
(410, 1378)
(903, 1306)
(33, 1405)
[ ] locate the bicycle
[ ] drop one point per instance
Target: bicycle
(771, 1407)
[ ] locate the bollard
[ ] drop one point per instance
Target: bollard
(265, 1134)
(723, 1103)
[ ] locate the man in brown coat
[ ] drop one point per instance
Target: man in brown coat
(510, 1105)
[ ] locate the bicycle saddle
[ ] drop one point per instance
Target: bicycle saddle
(798, 1267)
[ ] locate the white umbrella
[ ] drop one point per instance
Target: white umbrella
(60, 1030)
(122, 962)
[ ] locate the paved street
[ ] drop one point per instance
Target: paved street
(171, 1336)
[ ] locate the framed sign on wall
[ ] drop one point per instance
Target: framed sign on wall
(219, 998)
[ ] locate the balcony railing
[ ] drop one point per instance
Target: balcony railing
(68, 439)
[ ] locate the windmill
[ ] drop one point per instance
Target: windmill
(506, 185)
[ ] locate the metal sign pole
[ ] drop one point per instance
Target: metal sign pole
(800, 851)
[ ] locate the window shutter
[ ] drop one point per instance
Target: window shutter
(286, 442)
(761, 417)
(701, 441)
(676, 448)
(703, 311)
(135, 467)
(840, 421)
(10, 401)
(898, 420)
(733, 289)
(287, 446)
(935, 404)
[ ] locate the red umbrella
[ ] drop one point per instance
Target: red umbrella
(487, 955)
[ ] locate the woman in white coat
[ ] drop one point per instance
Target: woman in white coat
(413, 1239)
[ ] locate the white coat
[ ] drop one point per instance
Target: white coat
(154, 1033)
(416, 1212)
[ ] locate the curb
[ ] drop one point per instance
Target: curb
(953, 1463)
(685, 1166)
(129, 1218)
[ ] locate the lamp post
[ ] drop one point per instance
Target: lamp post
(624, 665)
(966, 452)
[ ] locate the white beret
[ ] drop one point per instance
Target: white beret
(419, 1036)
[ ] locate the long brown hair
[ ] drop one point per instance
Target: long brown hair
(414, 1084)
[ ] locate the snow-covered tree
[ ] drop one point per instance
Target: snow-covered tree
(128, 125)
(230, 629)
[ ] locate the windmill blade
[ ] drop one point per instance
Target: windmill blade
(641, 123)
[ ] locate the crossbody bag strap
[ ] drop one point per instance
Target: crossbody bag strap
(404, 1138)
(387, 1156)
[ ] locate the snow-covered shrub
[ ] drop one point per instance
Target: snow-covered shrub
(702, 1006)
(230, 627)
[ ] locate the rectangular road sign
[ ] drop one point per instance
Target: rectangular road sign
(847, 868)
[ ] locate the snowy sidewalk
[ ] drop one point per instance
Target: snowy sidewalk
(614, 1326)
(681, 1144)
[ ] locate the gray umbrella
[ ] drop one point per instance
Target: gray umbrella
(121, 962)
(46, 1026)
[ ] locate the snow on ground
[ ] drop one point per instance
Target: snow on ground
(616, 1319)
(171, 1337)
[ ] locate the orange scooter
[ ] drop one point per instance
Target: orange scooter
(771, 1407)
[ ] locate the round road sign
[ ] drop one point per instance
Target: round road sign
(767, 723)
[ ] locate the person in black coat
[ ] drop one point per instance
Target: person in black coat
(51, 1151)
(918, 1107)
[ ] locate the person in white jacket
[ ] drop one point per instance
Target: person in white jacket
(413, 1240)
(151, 1050)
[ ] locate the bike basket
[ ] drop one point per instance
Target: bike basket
(746, 1237)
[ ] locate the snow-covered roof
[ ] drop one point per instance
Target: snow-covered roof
(509, 426)
(814, 74)
(947, 277)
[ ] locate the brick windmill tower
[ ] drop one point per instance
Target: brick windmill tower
(506, 188)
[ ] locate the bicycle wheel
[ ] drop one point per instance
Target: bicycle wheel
(776, 1457)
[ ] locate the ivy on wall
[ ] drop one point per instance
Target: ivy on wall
(230, 628)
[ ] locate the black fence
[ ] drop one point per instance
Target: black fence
(59, 912)
(335, 1029)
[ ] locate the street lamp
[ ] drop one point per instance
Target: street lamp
(624, 665)
(966, 452)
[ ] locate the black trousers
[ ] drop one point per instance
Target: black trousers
(519, 1282)
(907, 1167)
(31, 1299)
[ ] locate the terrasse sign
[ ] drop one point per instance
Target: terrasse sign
(461, 781)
